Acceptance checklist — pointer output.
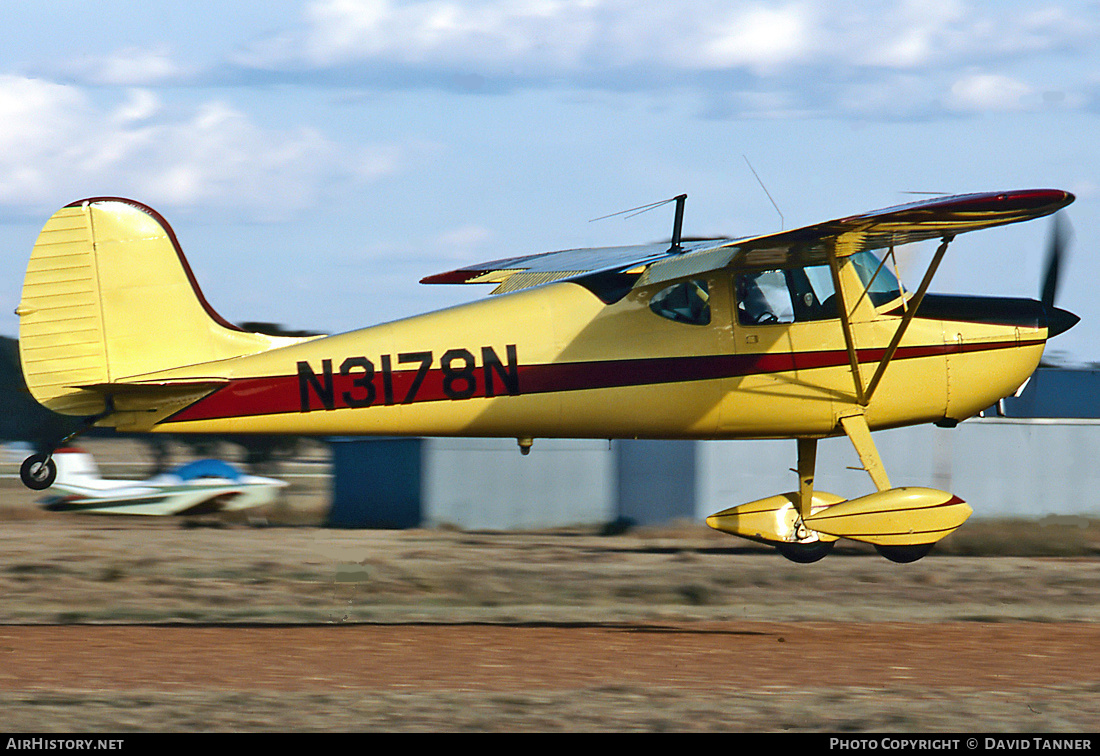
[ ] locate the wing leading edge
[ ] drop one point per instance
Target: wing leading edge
(809, 245)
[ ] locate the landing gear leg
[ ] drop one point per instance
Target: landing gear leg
(807, 461)
(805, 552)
(855, 426)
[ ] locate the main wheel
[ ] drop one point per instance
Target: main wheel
(38, 472)
(904, 554)
(805, 553)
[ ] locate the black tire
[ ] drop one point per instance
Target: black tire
(38, 472)
(805, 553)
(904, 554)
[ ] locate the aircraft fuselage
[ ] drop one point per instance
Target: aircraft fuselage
(555, 361)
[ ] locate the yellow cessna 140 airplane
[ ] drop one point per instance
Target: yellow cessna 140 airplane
(800, 334)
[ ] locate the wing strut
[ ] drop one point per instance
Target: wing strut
(846, 325)
(865, 392)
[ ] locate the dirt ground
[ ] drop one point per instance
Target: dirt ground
(280, 624)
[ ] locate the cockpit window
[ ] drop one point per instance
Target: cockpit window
(763, 298)
(784, 296)
(687, 302)
(800, 294)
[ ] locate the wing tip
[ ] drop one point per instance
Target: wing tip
(1048, 200)
(452, 277)
(1040, 200)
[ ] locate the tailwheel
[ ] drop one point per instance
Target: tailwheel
(805, 552)
(38, 472)
(904, 554)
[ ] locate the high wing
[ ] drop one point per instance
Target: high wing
(943, 217)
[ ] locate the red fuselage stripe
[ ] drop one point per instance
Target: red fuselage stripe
(269, 395)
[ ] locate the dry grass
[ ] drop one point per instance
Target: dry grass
(282, 566)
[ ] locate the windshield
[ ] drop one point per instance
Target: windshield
(877, 275)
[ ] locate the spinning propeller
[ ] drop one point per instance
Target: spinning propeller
(1058, 320)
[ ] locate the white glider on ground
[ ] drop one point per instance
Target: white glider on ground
(203, 487)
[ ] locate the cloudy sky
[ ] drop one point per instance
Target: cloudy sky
(316, 158)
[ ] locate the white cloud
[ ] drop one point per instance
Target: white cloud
(42, 122)
(821, 53)
(129, 67)
(913, 34)
(142, 105)
(59, 145)
(582, 35)
(485, 34)
(554, 37)
(984, 92)
(760, 38)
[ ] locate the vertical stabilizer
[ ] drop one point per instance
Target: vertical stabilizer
(108, 296)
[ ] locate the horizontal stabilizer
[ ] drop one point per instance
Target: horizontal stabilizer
(140, 405)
